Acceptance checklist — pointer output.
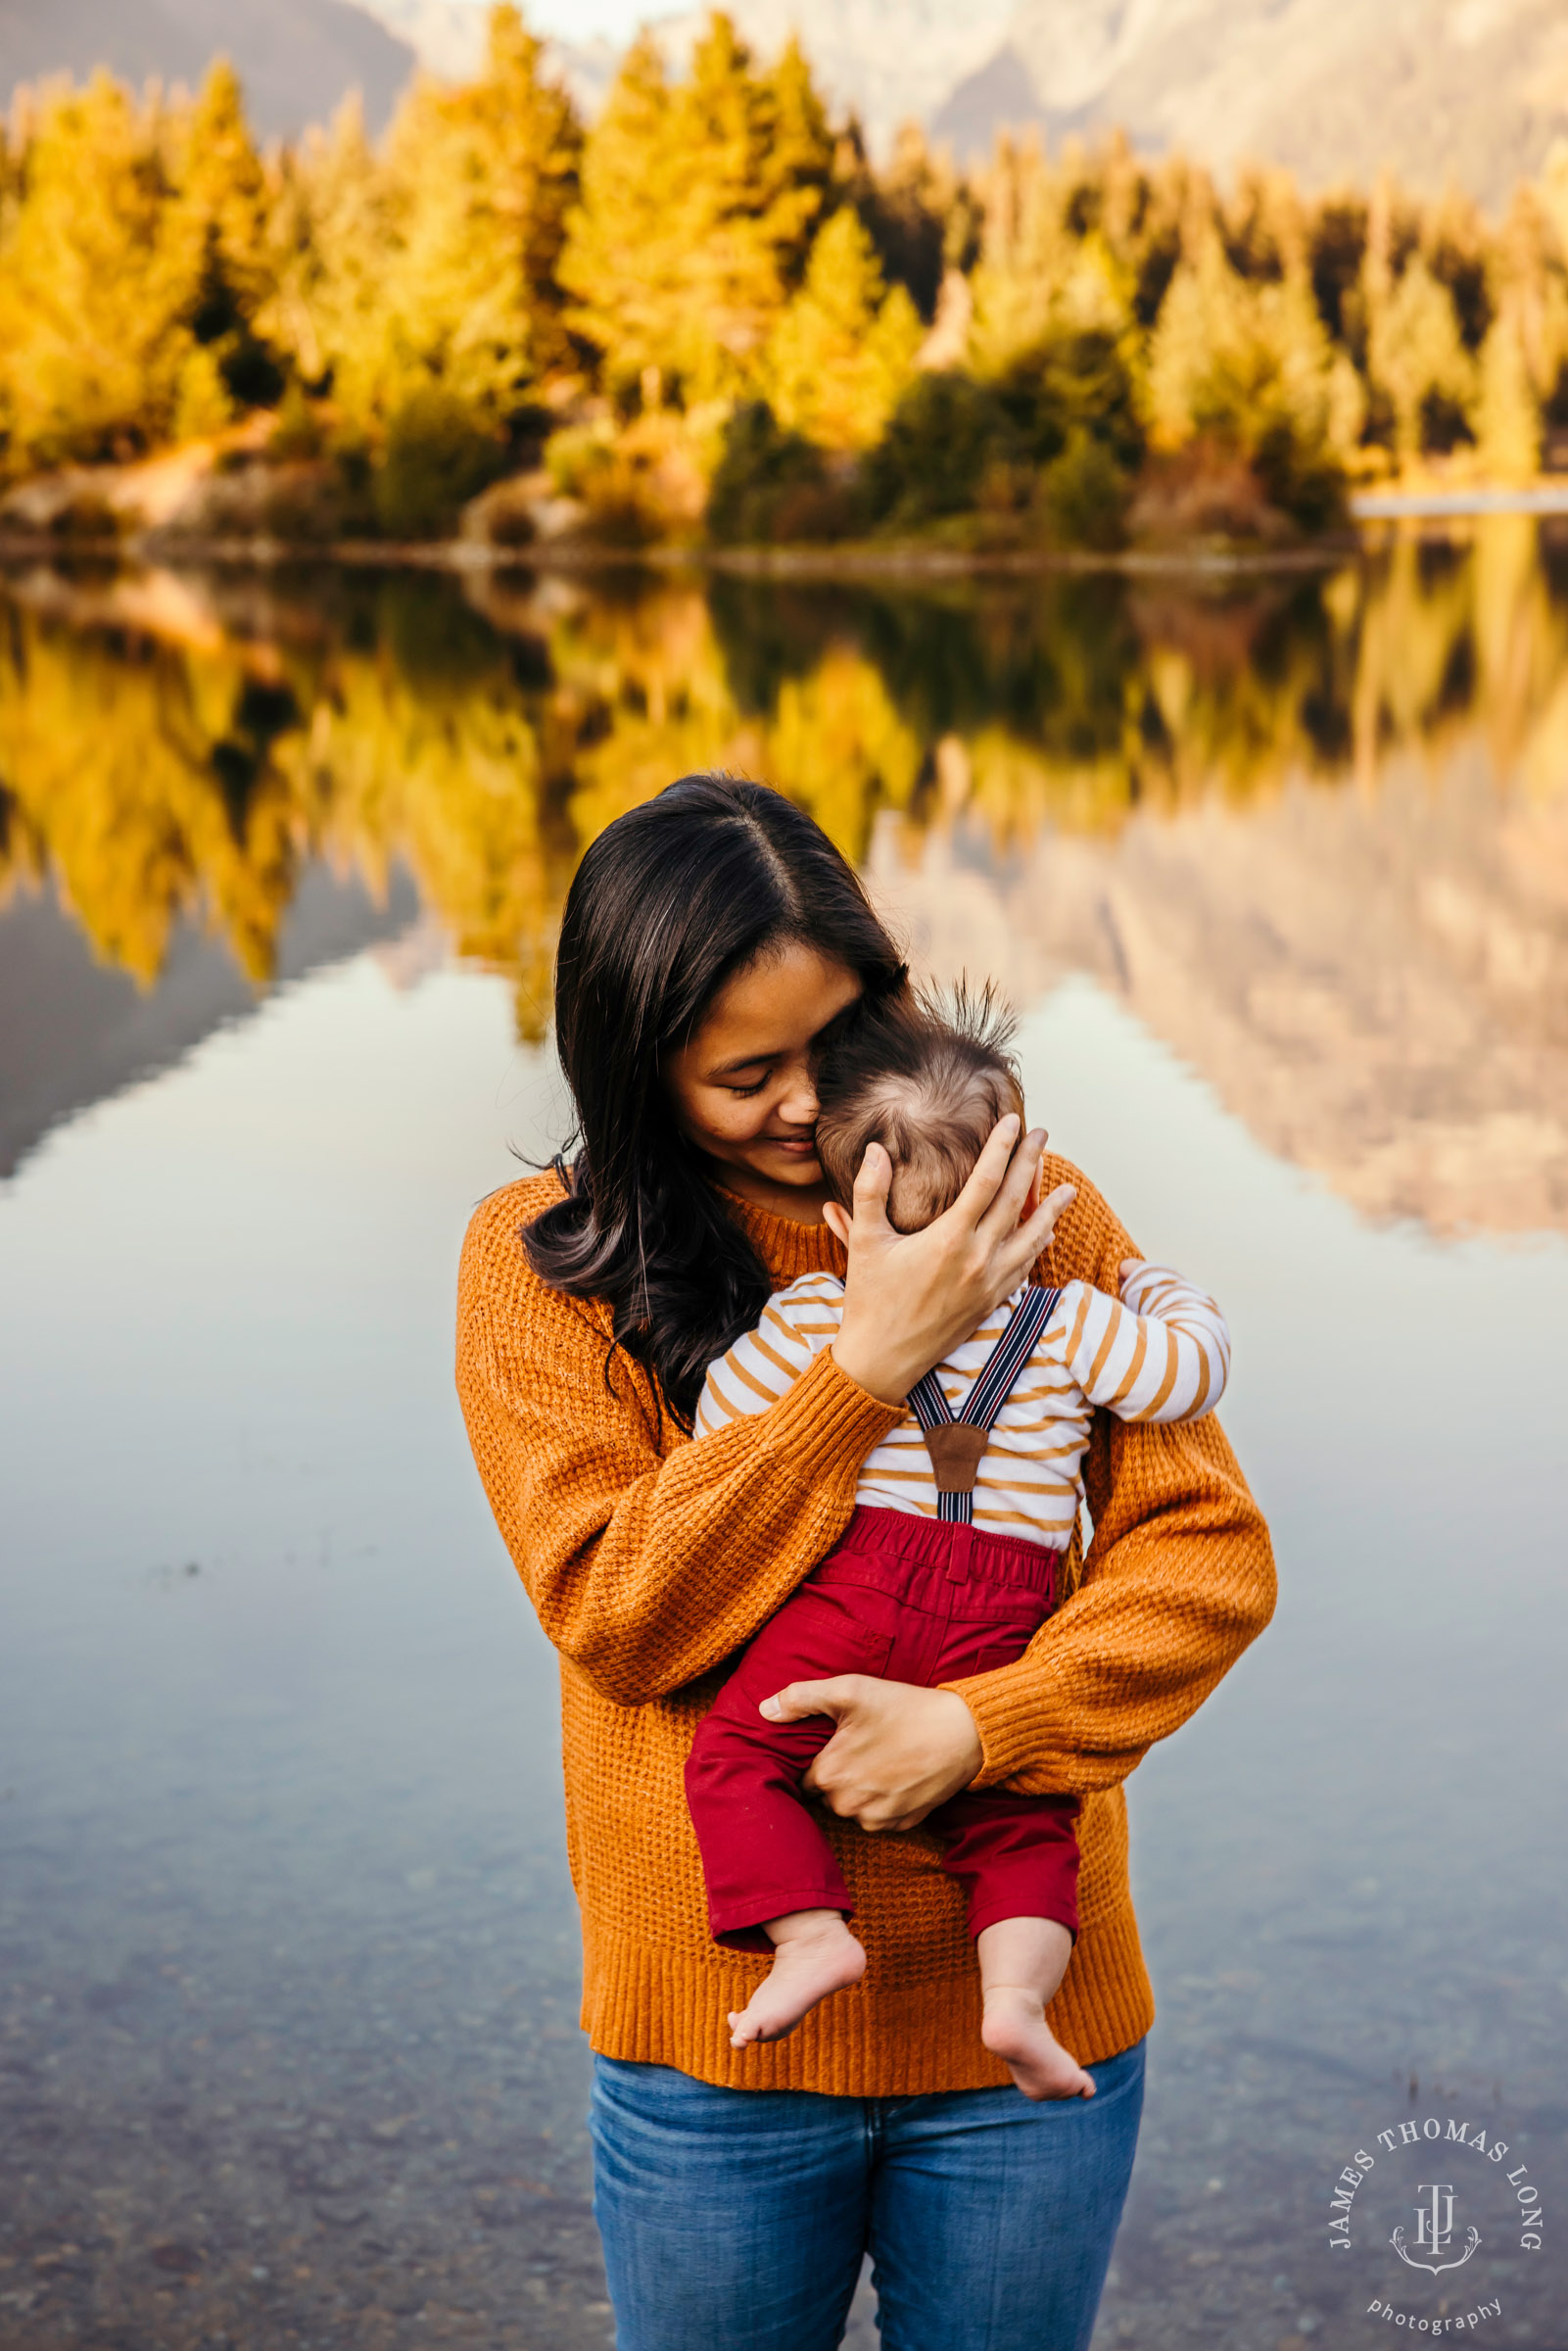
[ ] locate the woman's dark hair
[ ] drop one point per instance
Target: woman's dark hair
(670, 902)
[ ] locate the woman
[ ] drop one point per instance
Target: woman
(713, 940)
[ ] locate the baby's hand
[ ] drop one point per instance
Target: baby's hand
(1129, 1266)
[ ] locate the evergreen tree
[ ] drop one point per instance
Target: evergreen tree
(843, 350)
(920, 215)
(622, 261)
(220, 221)
(1417, 357)
(334, 227)
(1455, 245)
(1248, 366)
(98, 287)
(480, 179)
(1055, 318)
(1509, 410)
(1026, 253)
(697, 208)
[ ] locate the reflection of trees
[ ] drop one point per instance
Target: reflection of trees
(433, 748)
(194, 771)
(141, 776)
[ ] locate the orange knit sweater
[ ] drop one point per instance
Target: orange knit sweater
(650, 1560)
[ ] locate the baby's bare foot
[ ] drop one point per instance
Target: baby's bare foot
(806, 1967)
(1014, 2029)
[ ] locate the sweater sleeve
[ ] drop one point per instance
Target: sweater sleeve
(1159, 1352)
(647, 1557)
(764, 1364)
(1178, 1580)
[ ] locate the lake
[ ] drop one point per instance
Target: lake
(1274, 866)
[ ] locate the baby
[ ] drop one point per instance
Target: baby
(952, 1561)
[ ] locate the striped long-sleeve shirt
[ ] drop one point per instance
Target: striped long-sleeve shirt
(1160, 1353)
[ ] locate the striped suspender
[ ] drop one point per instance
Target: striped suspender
(986, 1397)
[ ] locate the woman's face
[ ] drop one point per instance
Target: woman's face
(743, 1089)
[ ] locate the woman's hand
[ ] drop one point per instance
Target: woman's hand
(899, 1750)
(911, 1298)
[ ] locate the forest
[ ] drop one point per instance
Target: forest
(710, 316)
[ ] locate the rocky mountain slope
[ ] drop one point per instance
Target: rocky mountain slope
(1470, 91)
(298, 58)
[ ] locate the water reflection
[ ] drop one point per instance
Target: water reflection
(1313, 828)
(287, 1957)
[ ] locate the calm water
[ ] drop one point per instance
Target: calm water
(1277, 874)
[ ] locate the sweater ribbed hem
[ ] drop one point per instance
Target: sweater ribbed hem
(650, 2006)
(826, 1423)
(1005, 1706)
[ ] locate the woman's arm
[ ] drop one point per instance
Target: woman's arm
(1179, 1579)
(650, 1560)
(764, 1364)
(647, 1566)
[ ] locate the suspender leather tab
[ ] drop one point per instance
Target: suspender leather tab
(956, 1442)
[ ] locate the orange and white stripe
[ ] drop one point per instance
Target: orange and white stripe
(1161, 1352)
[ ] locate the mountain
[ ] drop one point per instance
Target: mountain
(1473, 92)
(891, 61)
(298, 59)
(448, 37)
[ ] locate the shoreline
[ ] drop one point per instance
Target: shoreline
(1434, 505)
(457, 558)
(1215, 558)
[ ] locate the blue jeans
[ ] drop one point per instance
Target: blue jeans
(739, 2218)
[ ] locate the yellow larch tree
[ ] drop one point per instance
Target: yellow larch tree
(844, 350)
(97, 287)
(699, 203)
(481, 178)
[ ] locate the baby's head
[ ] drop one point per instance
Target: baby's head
(929, 1082)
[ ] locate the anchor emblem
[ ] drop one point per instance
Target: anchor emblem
(1433, 2232)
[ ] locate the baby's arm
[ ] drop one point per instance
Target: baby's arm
(1161, 1352)
(797, 1324)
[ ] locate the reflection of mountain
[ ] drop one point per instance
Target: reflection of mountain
(72, 1030)
(1377, 984)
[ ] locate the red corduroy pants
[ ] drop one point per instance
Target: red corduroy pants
(908, 1599)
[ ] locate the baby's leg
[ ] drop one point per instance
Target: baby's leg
(814, 1955)
(770, 1870)
(1017, 1858)
(1023, 1960)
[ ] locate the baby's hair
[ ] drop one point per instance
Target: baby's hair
(928, 1082)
